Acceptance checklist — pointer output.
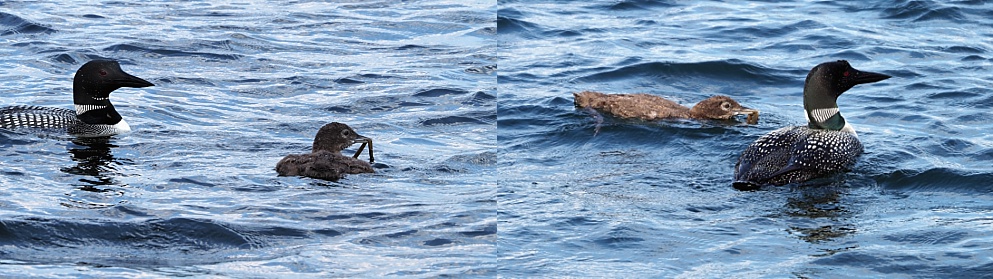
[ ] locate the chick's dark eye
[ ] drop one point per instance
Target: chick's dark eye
(726, 106)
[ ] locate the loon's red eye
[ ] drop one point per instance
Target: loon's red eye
(845, 73)
(104, 73)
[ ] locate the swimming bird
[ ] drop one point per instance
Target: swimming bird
(94, 116)
(325, 160)
(827, 145)
(651, 107)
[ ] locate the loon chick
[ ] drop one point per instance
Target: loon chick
(325, 160)
(95, 116)
(651, 107)
(827, 145)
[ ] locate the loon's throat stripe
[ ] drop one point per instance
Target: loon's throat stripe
(81, 109)
(822, 115)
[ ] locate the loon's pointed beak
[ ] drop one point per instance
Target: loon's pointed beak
(128, 80)
(862, 77)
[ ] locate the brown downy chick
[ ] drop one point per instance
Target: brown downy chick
(325, 160)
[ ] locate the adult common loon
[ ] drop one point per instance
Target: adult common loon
(325, 160)
(95, 116)
(651, 107)
(827, 145)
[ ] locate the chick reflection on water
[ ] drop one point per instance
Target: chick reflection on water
(325, 160)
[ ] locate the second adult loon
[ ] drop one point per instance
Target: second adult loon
(94, 116)
(827, 145)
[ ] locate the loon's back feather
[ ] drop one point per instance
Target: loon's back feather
(796, 154)
(25, 116)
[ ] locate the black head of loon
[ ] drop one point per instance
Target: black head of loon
(335, 137)
(91, 89)
(824, 84)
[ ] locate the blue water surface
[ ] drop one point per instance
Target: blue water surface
(192, 190)
(654, 199)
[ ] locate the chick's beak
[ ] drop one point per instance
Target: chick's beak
(362, 139)
(744, 111)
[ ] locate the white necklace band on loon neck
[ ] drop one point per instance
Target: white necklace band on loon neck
(847, 128)
(823, 114)
(81, 109)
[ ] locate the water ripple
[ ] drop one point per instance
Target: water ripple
(653, 198)
(11, 25)
(728, 69)
(192, 190)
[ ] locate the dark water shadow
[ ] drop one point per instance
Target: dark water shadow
(814, 211)
(149, 243)
(818, 215)
(95, 161)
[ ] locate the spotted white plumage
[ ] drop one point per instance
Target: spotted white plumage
(797, 153)
(100, 130)
(48, 118)
(36, 117)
